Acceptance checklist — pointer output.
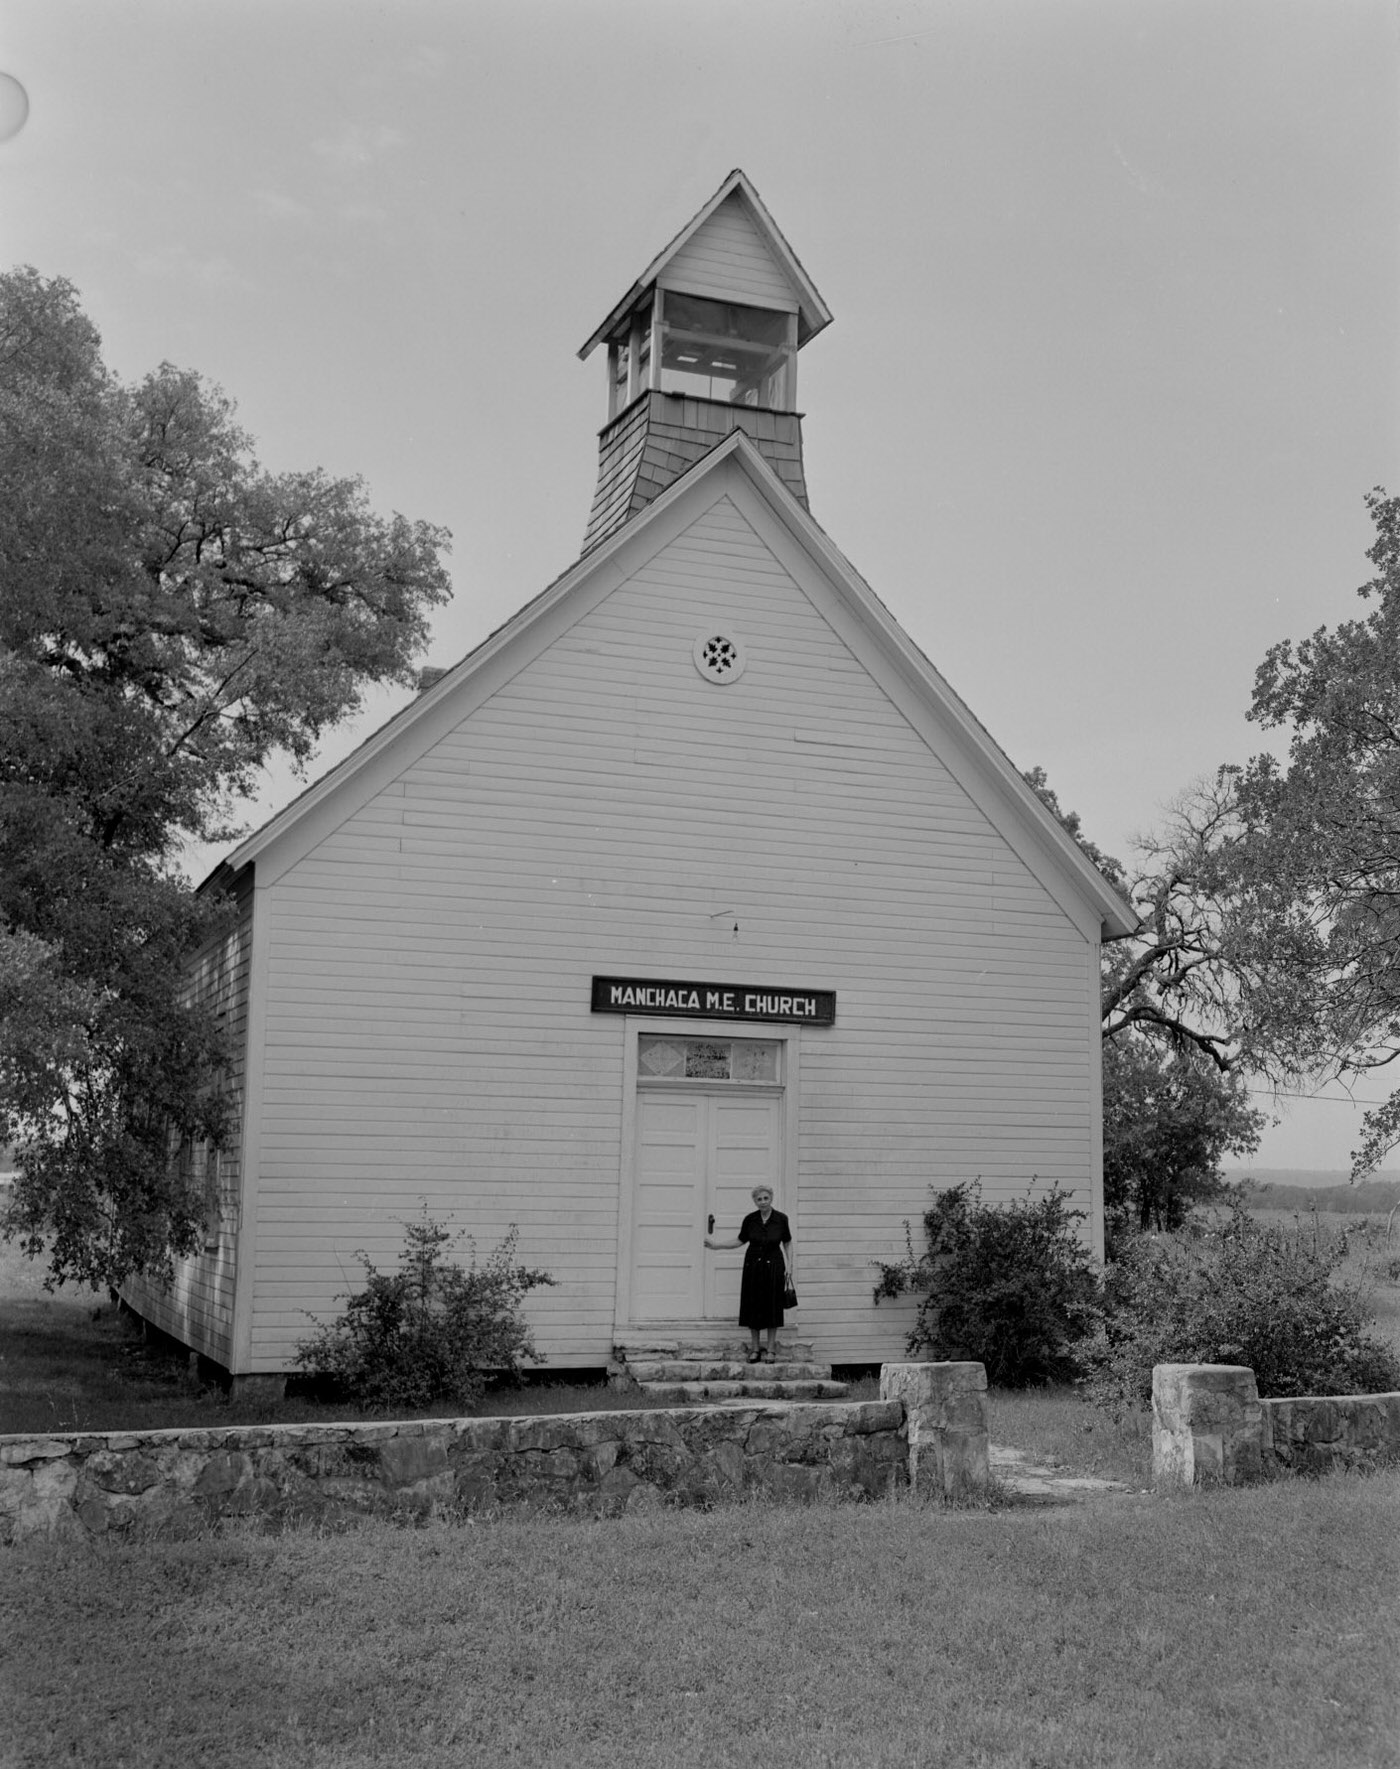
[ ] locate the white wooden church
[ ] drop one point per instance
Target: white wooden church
(695, 875)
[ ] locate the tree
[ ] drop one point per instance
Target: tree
(1316, 865)
(1169, 1118)
(1175, 1043)
(1176, 979)
(171, 616)
(1172, 979)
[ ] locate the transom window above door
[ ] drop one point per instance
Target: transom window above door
(751, 1061)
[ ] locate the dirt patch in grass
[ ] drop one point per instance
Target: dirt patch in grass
(1058, 1426)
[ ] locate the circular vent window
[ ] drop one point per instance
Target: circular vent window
(719, 657)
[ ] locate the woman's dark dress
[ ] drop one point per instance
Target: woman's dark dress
(763, 1282)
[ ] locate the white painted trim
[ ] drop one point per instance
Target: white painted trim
(681, 285)
(1095, 1067)
(657, 348)
(616, 403)
(635, 333)
(792, 1082)
(626, 1179)
(633, 1025)
(255, 1034)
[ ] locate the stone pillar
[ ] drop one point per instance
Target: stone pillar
(945, 1411)
(1206, 1425)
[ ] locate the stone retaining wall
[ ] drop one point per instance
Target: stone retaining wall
(1314, 1434)
(1209, 1424)
(174, 1482)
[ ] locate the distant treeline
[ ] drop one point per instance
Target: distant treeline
(1366, 1196)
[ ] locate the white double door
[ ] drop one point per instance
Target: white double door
(699, 1156)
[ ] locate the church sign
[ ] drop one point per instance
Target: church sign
(713, 1001)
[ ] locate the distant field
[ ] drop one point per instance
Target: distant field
(1322, 1189)
(1309, 1176)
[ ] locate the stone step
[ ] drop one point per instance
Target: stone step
(725, 1370)
(708, 1344)
(690, 1392)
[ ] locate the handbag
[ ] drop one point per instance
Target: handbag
(789, 1296)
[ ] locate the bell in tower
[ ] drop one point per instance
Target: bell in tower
(705, 342)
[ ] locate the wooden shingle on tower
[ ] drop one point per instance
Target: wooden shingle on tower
(695, 875)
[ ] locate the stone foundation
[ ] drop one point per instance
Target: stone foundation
(178, 1482)
(1209, 1424)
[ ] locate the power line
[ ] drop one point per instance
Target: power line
(1325, 1099)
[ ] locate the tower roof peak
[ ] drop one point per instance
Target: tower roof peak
(731, 249)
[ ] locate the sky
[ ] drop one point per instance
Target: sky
(1115, 286)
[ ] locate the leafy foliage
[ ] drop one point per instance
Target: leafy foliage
(1316, 867)
(1072, 824)
(170, 616)
(1270, 905)
(1169, 1117)
(1012, 1288)
(1240, 1293)
(1171, 981)
(432, 1330)
(1173, 1035)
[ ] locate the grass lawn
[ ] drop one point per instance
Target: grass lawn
(1222, 1627)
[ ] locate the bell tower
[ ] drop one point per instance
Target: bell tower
(703, 343)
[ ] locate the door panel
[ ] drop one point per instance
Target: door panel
(697, 1154)
(744, 1152)
(666, 1241)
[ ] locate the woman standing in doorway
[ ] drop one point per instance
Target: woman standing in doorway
(767, 1241)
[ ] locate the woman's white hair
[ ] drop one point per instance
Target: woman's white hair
(765, 1189)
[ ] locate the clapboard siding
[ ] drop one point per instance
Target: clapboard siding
(728, 258)
(427, 1036)
(197, 1307)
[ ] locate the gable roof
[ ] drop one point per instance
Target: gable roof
(734, 467)
(812, 311)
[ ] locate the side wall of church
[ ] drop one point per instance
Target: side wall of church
(197, 1307)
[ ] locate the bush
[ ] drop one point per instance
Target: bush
(433, 1330)
(1012, 1288)
(1242, 1292)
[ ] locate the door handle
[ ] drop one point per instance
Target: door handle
(711, 1229)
